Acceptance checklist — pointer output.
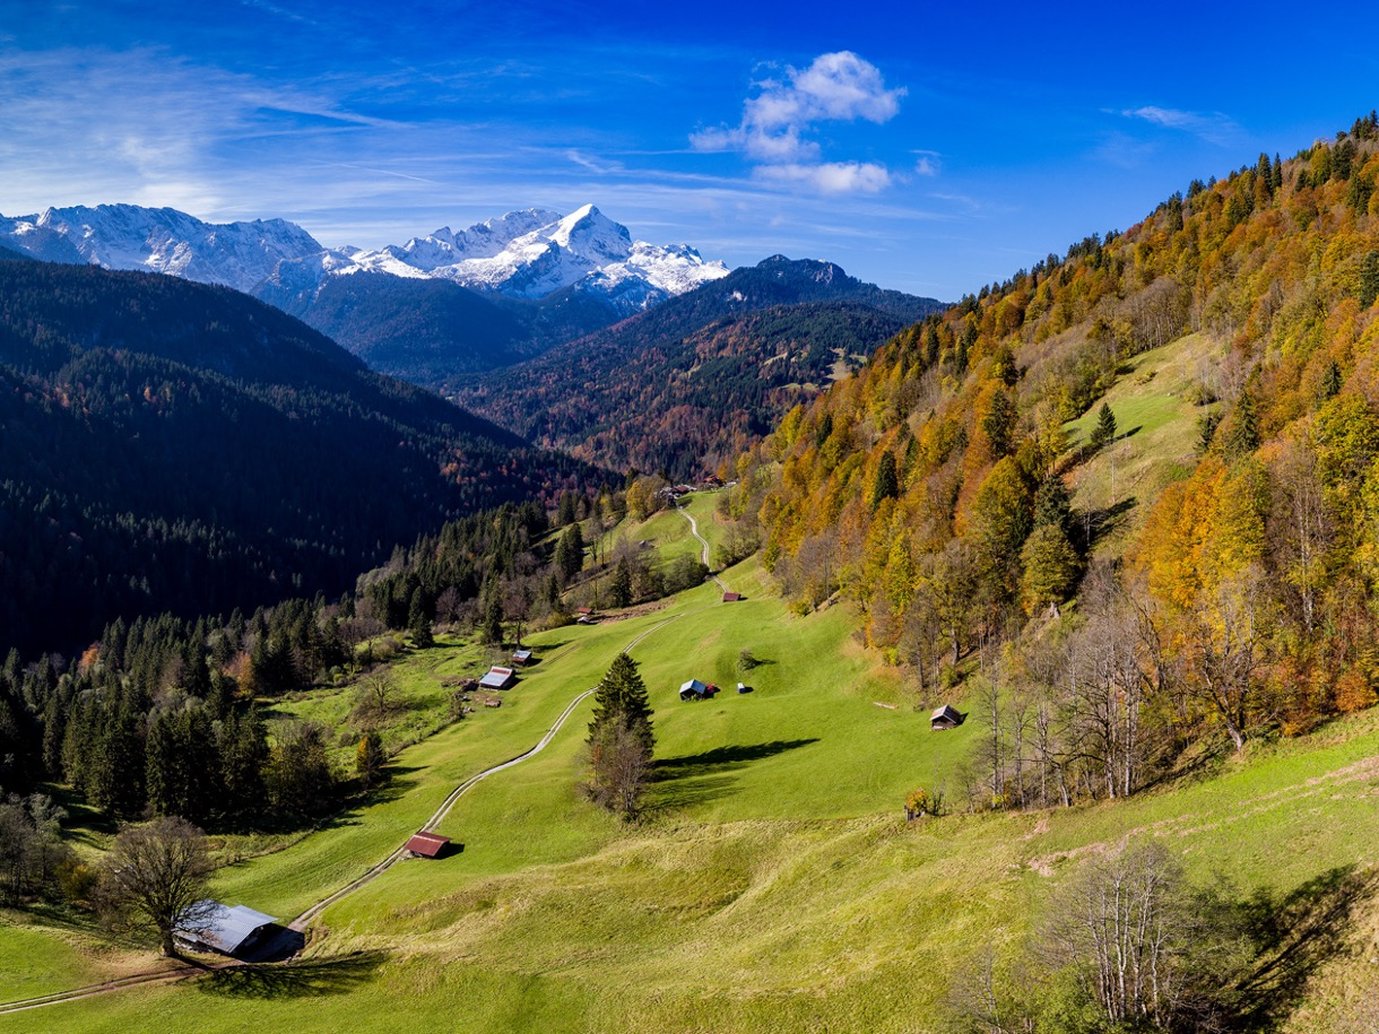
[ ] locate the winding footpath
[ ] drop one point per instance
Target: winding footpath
(300, 924)
(704, 551)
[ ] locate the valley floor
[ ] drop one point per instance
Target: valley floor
(774, 886)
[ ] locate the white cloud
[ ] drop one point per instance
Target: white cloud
(837, 87)
(830, 177)
(928, 163)
(1214, 127)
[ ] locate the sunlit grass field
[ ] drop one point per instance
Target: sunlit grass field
(773, 884)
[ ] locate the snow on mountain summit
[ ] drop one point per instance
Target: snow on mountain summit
(533, 253)
(161, 240)
(529, 253)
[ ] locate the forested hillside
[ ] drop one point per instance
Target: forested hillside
(1232, 598)
(429, 331)
(697, 379)
(171, 446)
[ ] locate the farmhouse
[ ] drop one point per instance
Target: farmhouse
(521, 657)
(427, 845)
(498, 678)
(229, 931)
(945, 717)
(696, 690)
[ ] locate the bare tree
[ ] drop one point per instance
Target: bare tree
(1299, 528)
(1144, 946)
(378, 696)
(449, 605)
(1225, 646)
(155, 880)
(620, 765)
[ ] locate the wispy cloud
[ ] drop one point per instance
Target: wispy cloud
(776, 123)
(593, 164)
(1213, 126)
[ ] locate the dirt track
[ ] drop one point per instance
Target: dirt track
(189, 970)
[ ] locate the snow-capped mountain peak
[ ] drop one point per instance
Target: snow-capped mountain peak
(162, 240)
(528, 253)
(534, 252)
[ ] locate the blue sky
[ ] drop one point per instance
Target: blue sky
(926, 147)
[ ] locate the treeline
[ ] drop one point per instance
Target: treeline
(160, 716)
(169, 446)
(931, 487)
(163, 715)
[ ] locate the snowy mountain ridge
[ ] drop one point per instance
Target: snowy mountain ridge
(528, 254)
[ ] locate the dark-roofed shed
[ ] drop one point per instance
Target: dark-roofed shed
(233, 931)
(945, 717)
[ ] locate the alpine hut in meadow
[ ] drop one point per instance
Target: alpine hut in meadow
(427, 845)
(235, 931)
(498, 678)
(945, 717)
(521, 657)
(696, 690)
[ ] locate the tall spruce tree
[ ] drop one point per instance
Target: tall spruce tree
(419, 621)
(569, 552)
(243, 755)
(886, 483)
(621, 587)
(1105, 429)
(620, 699)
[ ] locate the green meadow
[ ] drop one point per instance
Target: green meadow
(773, 884)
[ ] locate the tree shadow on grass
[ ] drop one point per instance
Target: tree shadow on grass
(690, 779)
(297, 978)
(1294, 934)
(721, 758)
(1102, 522)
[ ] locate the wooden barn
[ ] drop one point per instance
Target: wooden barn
(427, 845)
(945, 717)
(498, 678)
(696, 690)
(234, 931)
(521, 657)
(732, 597)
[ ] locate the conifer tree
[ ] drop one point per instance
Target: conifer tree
(886, 483)
(1369, 279)
(569, 552)
(1332, 381)
(243, 754)
(419, 622)
(620, 699)
(492, 624)
(1052, 505)
(621, 587)
(1105, 429)
(620, 739)
(1242, 434)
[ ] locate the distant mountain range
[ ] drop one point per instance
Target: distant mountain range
(166, 445)
(446, 302)
(692, 382)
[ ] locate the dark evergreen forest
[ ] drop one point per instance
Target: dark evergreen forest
(169, 446)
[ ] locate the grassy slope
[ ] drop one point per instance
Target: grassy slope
(773, 887)
(1156, 436)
